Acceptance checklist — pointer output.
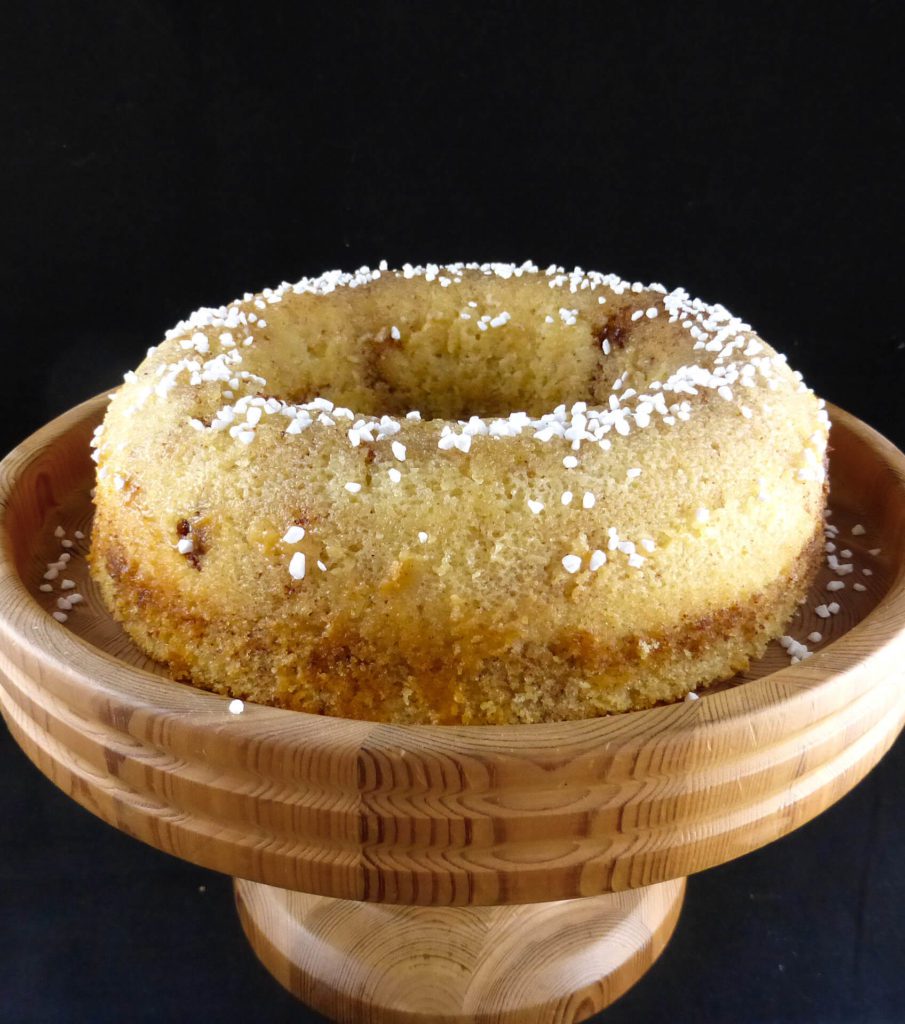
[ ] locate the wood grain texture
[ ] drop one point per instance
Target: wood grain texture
(544, 963)
(447, 816)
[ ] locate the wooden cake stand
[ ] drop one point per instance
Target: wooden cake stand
(436, 874)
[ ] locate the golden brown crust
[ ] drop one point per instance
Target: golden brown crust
(576, 677)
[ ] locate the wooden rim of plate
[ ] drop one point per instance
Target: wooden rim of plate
(445, 814)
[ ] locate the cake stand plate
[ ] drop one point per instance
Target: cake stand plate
(417, 873)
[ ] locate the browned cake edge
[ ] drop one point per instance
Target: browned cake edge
(501, 680)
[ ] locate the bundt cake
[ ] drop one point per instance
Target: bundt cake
(472, 494)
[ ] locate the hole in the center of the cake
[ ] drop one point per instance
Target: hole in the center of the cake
(454, 369)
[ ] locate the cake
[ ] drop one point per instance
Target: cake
(464, 494)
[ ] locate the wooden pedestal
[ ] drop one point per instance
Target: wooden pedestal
(414, 873)
(542, 963)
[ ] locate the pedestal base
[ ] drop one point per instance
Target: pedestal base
(542, 963)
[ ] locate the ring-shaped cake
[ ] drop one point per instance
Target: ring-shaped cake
(459, 494)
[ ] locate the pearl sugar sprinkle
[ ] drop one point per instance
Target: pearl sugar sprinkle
(828, 610)
(65, 603)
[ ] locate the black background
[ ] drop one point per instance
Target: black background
(159, 156)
